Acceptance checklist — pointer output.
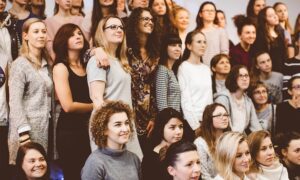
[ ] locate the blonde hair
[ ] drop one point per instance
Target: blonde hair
(225, 154)
(24, 50)
(101, 41)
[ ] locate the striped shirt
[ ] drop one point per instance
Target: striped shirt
(290, 69)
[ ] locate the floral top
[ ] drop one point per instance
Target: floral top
(143, 92)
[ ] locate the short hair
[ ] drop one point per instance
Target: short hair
(20, 174)
(226, 150)
(254, 141)
(231, 80)
(282, 141)
(253, 87)
(291, 81)
(100, 119)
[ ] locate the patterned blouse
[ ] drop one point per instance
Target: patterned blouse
(143, 92)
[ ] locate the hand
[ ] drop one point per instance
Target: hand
(101, 58)
(98, 104)
(150, 127)
(24, 139)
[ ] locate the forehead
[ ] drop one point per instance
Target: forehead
(32, 153)
(146, 14)
(158, 1)
(263, 56)
(198, 36)
(243, 71)
(113, 21)
(208, 6)
(243, 147)
(37, 25)
(259, 2)
(182, 12)
(295, 143)
(173, 121)
(118, 117)
(270, 11)
(188, 156)
(296, 81)
(220, 109)
(260, 88)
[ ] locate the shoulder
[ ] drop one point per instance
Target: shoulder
(200, 143)
(277, 74)
(133, 156)
(162, 70)
(60, 67)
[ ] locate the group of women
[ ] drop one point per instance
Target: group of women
(111, 93)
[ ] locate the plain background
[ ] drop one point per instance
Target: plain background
(230, 7)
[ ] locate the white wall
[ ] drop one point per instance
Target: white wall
(230, 7)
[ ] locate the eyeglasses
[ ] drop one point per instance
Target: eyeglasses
(221, 115)
(297, 87)
(147, 19)
(245, 76)
(208, 10)
(114, 27)
(260, 92)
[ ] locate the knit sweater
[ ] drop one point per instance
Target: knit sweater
(277, 172)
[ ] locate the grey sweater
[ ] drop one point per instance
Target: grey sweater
(109, 164)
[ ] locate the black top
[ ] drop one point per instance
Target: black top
(287, 118)
(294, 172)
(152, 167)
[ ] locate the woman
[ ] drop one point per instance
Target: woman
(181, 22)
(32, 162)
(62, 15)
(169, 128)
(220, 68)
(194, 78)
(253, 8)
(270, 38)
(236, 101)
(30, 90)
(265, 163)
(77, 8)
(38, 7)
(215, 122)
(167, 86)
(143, 56)
(246, 30)
(232, 157)
(70, 80)
(297, 25)
(262, 71)
(265, 110)
(216, 37)
(111, 128)
(182, 161)
(288, 145)
(115, 83)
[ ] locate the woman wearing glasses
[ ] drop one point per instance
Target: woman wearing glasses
(239, 105)
(288, 113)
(214, 123)
(114, 83)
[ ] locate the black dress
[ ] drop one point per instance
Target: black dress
(72, 130)
(287, 118)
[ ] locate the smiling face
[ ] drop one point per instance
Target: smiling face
(187, 166)
(113, 31)
(292, 153)
(173, 131)
(248, 34)
(36, 35)
(242, 160)
(159, 7)
(220, 118)
(118, 130)
(182, 19)
(146, 24)
(198, 45)
(174, 51)
(76, 41)
(2, 5)
(266, 154)
(34, 164)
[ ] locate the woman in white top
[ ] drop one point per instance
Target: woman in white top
(215, 123)
(194, 79)
(232, 157)
(265, 163)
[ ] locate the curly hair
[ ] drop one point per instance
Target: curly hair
(100, 119)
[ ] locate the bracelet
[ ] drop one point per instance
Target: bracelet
(24, 140)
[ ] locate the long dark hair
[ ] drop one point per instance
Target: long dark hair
(20, 174)
(188, 40)
(213, 63)
(60, 43)
(231, 80)
(132, 34)
(282, 141)
(97, 14)
(199, 20)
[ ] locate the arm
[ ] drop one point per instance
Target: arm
(63, 91)
(161, 88)
(101, 57)
(96, 92)
(93, 169)
(254, 122)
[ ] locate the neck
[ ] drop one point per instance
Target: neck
(238, 94)
(143, 40)
(219, 132)
(282, 24)
(194, 59)
(245, 46)
(74, 57)
(289, 164)
(240, 175)
(64, 12)
(18, 8)
(170, 63)
(294, 102)
(261, 107)
(298, 56)
(264, 75)
(113, 49)
(105, 11)
(221, 76)
(208, 24)
(114, 146)
(36, 10)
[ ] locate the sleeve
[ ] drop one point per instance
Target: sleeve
(254, 122)
(186, 99)
(279, 118)
(16, 84)
(204, 166)
(224, 46)
(94, 73)
(92, 170)
(161, 88)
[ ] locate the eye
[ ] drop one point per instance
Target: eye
(117, 124)
(172, 127)
(181, 126)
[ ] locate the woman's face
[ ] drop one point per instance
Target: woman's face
(174, 51)
(106, 3)
(34, 164)
(264, 63)
(159, 7)
(198, 45)
(146, 24)
(186, 167)
(260, 95)
(282, 12)
(222, 67)
(243, 79)
(266, 153)
(242, 159)
(76, 3)
(38, 2)
(220, 118)
(182, 20)
(208, 13)
(114, 31)
(118, 130)
(36, 35)
(271, 17)
(248, 34)
(64, 4)
(292, 153)
(2, 5)
(173, 131)
(258, 5)
(221, 19)
(76, 41)
(295, 91)
(139, 3)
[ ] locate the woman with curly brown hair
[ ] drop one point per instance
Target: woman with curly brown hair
(111, 128)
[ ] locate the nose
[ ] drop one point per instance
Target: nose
(196, 168)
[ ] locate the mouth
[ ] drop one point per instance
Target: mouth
(195, 177)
